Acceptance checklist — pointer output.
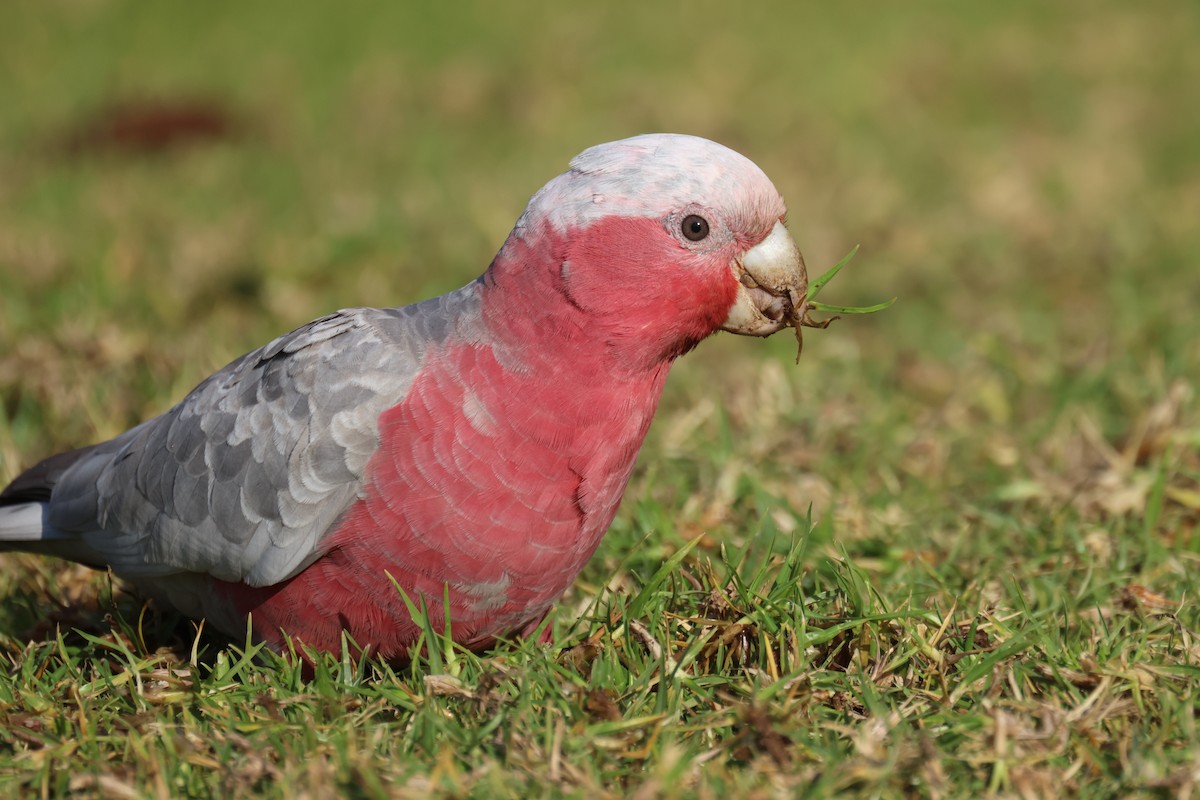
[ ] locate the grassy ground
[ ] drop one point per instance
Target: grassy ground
(953, 552)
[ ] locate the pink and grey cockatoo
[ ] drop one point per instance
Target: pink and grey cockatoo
(473, 446)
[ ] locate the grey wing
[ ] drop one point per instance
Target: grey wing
(244, 477)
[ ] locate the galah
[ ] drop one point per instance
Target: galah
(471, 448)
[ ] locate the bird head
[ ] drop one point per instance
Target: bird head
(661, 240)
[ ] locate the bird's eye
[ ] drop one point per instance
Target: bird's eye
(695, 228)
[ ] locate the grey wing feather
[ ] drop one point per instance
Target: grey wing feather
(245, 476)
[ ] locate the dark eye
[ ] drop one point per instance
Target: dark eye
(695, 228)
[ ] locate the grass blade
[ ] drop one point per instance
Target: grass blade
(850, 309)
(815, 287)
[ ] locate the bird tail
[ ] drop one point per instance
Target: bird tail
(25, 503)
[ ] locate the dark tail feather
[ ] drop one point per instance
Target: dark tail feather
(25, 503)
(35, 484)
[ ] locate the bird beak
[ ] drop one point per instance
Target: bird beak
(772, 286)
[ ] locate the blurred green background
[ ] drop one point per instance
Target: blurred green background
(1025, 179)
(1025, 176)
(1016, 439)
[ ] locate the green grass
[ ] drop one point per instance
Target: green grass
(953, 552)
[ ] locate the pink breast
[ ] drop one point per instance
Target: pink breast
(498, 493)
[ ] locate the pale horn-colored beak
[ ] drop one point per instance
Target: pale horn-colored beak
(772, 286)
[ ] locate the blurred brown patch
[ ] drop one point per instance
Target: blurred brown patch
(152, 126)
(758, 732)
(601, 705)
(1138, 598)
